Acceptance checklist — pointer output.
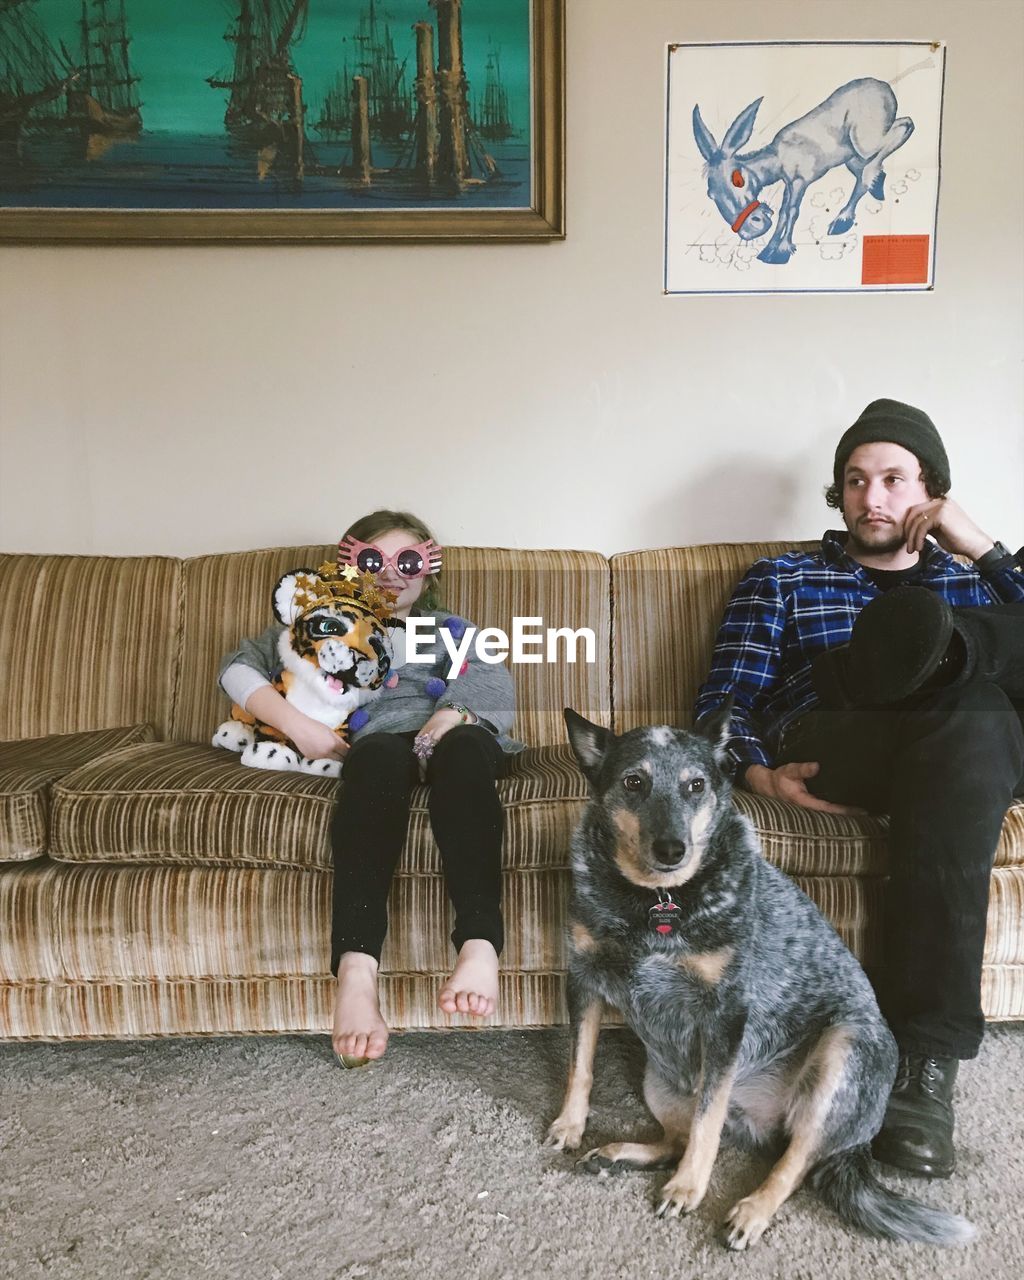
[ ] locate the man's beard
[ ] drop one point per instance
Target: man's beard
(896, 541)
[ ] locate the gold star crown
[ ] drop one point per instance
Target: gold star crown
(334, 586)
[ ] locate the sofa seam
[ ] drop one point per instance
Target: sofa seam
(611, 647)
(179, 644)
(237, 864)
(70, 796)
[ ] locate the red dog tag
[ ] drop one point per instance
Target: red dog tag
(664, 916)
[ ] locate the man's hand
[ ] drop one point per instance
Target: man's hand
(950, 526)
(788, 782)
(315, 740)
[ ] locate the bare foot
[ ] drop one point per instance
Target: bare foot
(473, 987)
(359, 1030)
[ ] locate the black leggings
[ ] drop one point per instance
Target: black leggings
(369, 826)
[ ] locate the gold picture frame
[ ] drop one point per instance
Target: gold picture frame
(541, 216)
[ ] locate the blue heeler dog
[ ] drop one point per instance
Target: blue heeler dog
(757, 1020)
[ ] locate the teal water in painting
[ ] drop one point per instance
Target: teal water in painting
(179, 171)
(183, 157)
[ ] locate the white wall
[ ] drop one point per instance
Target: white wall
(181, 400)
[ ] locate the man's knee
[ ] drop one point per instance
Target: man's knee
(969, 740)
(978, 710)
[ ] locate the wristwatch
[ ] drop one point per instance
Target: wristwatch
(996, 556)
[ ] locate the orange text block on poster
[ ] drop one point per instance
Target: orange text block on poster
(895, 260)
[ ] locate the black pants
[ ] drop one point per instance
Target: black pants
(369, 826)
(945, 770)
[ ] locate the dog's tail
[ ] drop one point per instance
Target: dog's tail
(847, 1183)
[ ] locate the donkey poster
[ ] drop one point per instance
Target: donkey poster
(796, 167)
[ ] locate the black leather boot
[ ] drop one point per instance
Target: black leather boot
(903, 643)
(909, 641)
(917, 1132)
(993, 642)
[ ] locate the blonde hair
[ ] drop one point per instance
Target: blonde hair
(366, 528)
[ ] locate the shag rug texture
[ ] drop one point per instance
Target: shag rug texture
(261, 1159)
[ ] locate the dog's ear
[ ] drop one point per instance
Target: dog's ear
(715, 725)
(588, 741)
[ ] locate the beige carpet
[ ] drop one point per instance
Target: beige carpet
(259, 1158)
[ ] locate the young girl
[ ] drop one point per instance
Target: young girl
(460, 737)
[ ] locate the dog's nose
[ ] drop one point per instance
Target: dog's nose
(668, 852)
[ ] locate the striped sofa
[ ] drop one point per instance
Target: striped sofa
(151, 886)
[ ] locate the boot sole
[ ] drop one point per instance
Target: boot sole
(920, 1168)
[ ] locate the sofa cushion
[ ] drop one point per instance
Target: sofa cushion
(87, 642)
(224, 598)
(811, 843)
(227, 597)
(29, 950)
(130, 951)
(29, 767)
(668, 605)
(178, 803)
(101, 951)
(139, 923)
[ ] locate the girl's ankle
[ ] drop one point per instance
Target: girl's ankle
(357, 962)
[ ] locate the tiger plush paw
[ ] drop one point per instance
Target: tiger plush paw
(323, 768)
(270, 755)
(233, 735)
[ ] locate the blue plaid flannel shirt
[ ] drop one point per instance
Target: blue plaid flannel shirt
(787, 610)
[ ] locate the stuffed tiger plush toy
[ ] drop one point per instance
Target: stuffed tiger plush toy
(339, 646)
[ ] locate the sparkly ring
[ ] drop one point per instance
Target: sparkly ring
(423, 746)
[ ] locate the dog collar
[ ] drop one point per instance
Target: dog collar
(664, 915)
(744, 214)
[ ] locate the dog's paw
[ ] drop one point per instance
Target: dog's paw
(681, 1194)
(745, 1224)
(600, 1163)
(565, 1135)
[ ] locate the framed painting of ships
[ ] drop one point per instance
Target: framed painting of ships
(281, 120)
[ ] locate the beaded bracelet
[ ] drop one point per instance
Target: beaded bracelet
(464, 712)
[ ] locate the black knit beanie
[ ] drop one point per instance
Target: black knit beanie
(897, 423)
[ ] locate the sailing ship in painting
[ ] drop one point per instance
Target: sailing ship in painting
(33, 74)
(334, 122)
(104, 97)
(265, 105)
(493, 118)
(390, 102)
(369, 101)
(43, 90)
(394, 113)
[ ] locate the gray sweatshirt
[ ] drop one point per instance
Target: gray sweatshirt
(484, 688)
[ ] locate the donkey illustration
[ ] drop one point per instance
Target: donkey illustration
(855, 126)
